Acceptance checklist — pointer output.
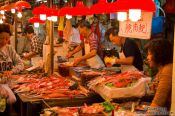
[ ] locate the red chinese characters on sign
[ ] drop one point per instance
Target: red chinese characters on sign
(140, 29)
(136, 27)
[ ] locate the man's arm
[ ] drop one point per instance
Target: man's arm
(77, 49)
(125, 61)
(29, 55)
(85, 57)
(89, 55)
(18, 64)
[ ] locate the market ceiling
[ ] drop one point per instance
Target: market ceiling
(35, 3)
(3, 2)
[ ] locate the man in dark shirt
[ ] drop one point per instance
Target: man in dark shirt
(132, 55)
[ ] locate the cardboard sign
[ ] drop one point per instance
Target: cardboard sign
(140, 29)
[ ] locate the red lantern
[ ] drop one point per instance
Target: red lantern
(101, 7)
(2, 9)
(125, 5)
(80, 10)
(6, 7)
(52, 12)
(22, 4)
(35, 19)
(13, 8)
(65, 10)
(42, 9)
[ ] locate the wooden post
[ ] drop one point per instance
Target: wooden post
(15, 24)
(173, 80)
(51, 42)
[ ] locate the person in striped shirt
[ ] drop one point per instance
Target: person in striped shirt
(90, 45)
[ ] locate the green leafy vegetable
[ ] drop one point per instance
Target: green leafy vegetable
(108, 107)
(110, 84)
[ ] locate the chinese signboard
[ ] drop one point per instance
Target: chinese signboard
(140, 29)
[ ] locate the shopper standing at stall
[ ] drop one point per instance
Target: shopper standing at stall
(129, 55)
(90, 45)
(160, 55)
(10, 62)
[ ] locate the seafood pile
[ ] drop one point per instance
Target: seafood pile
(45, 87)
(121, 80)
(97, 109)
(123, 85)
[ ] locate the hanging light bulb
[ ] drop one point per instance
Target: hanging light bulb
(1, 21)
(19, 14)
(13, 10)
(42, 17)
(3, 17)
(121, 16)
(68, 16)
(2, 12)
(49, 18)
(134, 14)
(54, 18)
(36, 24)
(53, 13)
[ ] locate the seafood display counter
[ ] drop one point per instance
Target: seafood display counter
(35, 92)
(38, 91)
(28, 107)
(33, 107)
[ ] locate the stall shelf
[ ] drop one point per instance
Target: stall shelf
(33, 107)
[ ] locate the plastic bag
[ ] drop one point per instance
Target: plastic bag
(11, 97)
(2, 104)
(108, 93)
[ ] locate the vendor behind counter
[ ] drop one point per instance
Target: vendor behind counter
(129, 55)
(90, 45)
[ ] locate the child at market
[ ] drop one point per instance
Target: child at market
(160, 55)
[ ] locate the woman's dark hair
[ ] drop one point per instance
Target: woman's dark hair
(162, 51)
(5, 28)
(114, 31)
(85, 23)
(29, 29)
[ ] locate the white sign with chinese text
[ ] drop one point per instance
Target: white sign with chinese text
(140, 29)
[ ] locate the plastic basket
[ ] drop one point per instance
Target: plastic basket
(158, 22)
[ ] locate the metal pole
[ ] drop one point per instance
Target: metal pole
(51, 42)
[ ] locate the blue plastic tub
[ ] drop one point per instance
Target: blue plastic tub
(157, 24)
